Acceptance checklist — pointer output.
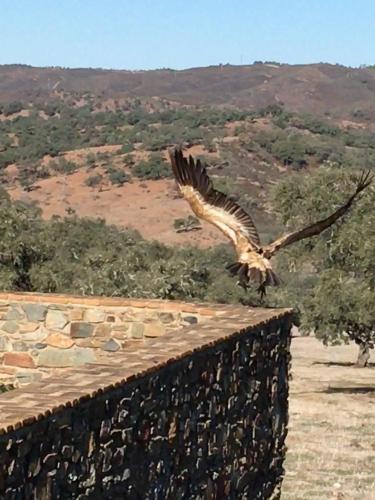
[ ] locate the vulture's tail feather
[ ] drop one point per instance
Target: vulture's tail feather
(271, 278)
(233, 268)
(248, 274)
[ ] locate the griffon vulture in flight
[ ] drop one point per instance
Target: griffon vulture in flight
(253, 259)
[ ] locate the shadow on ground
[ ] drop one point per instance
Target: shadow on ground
(350, 390)
(341, 363)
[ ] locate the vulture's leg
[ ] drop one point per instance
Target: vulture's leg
(262, 291)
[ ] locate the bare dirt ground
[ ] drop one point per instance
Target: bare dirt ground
(147, 206)
(331, 441)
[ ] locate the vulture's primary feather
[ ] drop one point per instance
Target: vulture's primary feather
(253, 259)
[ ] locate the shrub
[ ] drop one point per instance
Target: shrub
(63, 166)
(128, 160)
(191, 223)
(154, 168)
(126, 148)
(94, 180)
(42, 172)
(225, 185)
(90, 160)
(118, 177)
(290, 152)
(12, 107)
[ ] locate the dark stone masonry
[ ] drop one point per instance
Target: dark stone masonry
(200, 413)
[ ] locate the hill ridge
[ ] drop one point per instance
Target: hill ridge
(318, 88)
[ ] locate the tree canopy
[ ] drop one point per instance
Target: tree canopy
(331, 278)
(88, 257)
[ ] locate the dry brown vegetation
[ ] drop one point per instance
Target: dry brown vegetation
(312, 88)
(331, 441)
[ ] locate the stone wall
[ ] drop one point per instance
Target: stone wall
(42, 331)
(200, 413)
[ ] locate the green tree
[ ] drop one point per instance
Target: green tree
(335, 288)
(88, 257)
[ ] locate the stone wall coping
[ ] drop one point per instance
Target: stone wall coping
(73, 386)
(205, 309)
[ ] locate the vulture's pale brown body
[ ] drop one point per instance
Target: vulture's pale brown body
(253, 259)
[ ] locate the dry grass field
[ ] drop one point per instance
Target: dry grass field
(331, 441)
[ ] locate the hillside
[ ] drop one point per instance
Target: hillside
(104, 153)
(316, 88)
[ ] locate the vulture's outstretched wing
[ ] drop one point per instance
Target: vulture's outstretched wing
(211, 205)
(314, 229)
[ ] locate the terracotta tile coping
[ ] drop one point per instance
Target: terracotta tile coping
(159, 304)
(73, 386)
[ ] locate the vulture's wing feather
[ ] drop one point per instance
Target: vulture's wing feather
(211, 205)
(314, 229)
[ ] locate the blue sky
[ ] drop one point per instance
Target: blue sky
(147, 34)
